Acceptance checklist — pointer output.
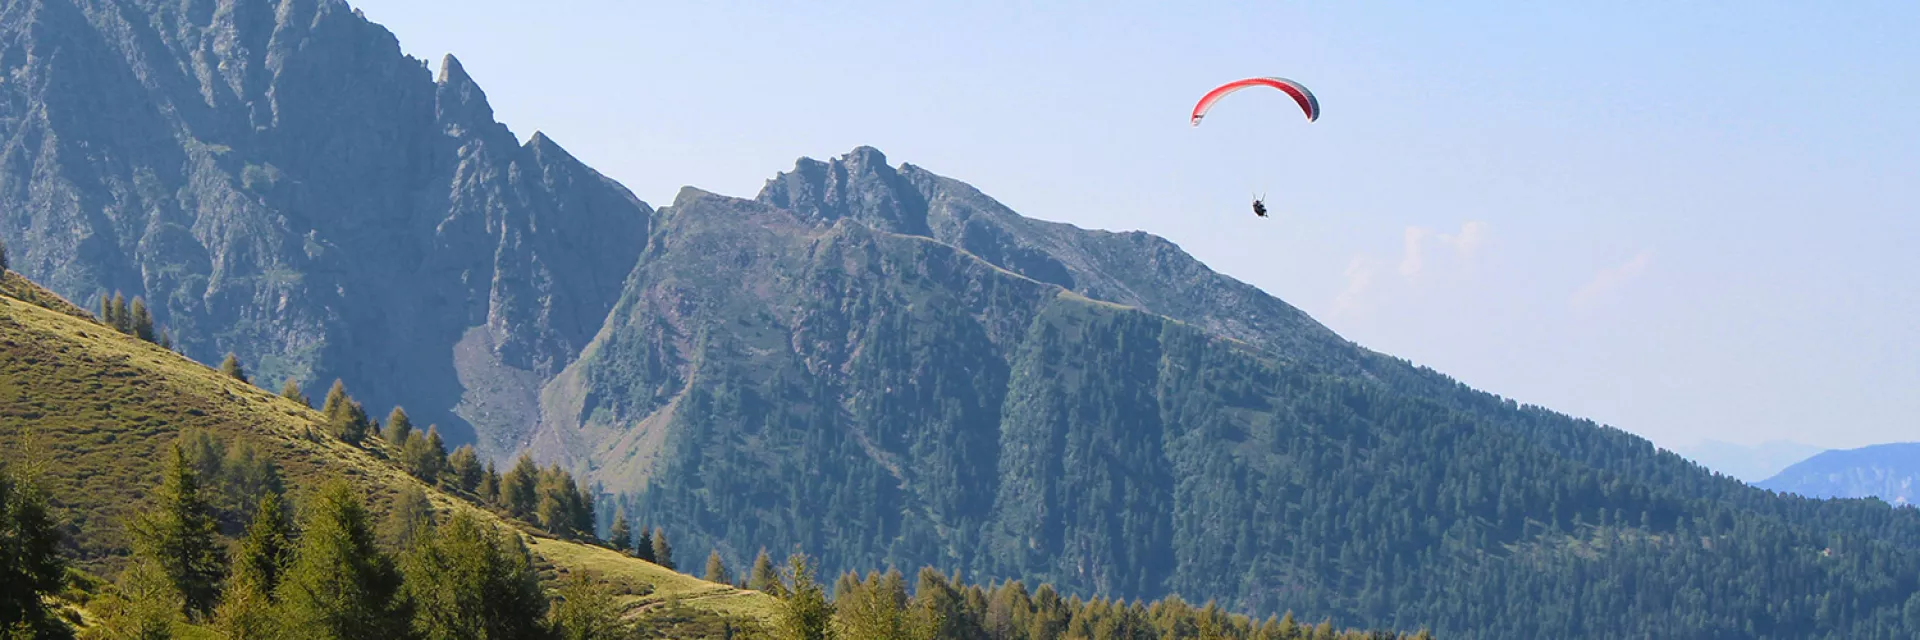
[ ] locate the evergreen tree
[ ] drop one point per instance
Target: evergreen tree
(410, 518)
(805, 613)
(144, 604)
(873, 608)
(464, 465)
(245, 611)
(938, 610)
(141, 321)
(336, 401)
(398, 427)
(468, 580)
(165, 341)
(109, 313)
(717, 569)
(30, 566)
(291, 391)
(341, 585)
(763, 577)
(425, 457)
(346, 419)
(122, 320)
(520, 488)
(490, 485)
(178, 534)
(662, 550)
(620, 536)
(3, 258)
(268, 548)
(643, 544)
(586, 610)
(231, 367)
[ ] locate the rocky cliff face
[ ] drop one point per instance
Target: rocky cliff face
(280, 181)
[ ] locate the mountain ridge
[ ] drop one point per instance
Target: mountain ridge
(870, 363)
(1887, 472)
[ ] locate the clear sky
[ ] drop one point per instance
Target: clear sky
(1688, 220)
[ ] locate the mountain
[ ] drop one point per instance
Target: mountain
(1890, 472)
(884, 366)
(91, 409)
(278, 180)
(873, 364)
(1749, 463)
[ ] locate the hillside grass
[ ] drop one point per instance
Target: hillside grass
(89, 410)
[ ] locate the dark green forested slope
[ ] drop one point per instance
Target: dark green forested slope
(878, 398)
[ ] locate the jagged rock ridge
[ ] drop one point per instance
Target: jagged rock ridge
(277, 179)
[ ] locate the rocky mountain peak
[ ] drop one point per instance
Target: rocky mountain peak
(859, 185)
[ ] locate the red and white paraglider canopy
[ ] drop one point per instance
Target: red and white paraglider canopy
(1299, 93)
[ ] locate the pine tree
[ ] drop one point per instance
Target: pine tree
(643, 544)
(662, 550)
(938, 610)
(490, 485)
(291, 391)
(109, 314)
(464, 465)
(341, 585)
(346, 419)
(398, 427)
(805, 614)
(874, 608)
(425, 457)
(165, 341)
(141, 321)
(336, 401)
(717, 569)
(179, 534)
(31, 567)
(468, 580)
(145, 605)
(620, 536)
(410, 518)
(519, 489)
(120, 318)
(764, 578)
(3, 258)
(586, 610)
(268, 547)
(245, 611)
(231, 367)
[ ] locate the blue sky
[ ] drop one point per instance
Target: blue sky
(1687, 220)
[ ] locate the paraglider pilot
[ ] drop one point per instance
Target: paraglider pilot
(1259, 208)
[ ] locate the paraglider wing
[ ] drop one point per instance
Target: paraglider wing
(1299, 93)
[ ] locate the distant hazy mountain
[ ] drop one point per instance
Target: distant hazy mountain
(1889, 472)
(1748, 462)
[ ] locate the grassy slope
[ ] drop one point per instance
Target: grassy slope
(95, 407)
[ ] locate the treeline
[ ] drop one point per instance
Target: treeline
(333, 574)
(550, 497)
(131, 319)
(944, 608)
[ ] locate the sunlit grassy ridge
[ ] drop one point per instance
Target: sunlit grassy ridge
(91, 409)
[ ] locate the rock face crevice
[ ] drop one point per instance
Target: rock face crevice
(278, 180)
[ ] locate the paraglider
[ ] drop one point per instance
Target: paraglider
(1295, 90)
(1301, 96)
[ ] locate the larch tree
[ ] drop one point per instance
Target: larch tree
(179, 533)
(341, 585)
(231, 367)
